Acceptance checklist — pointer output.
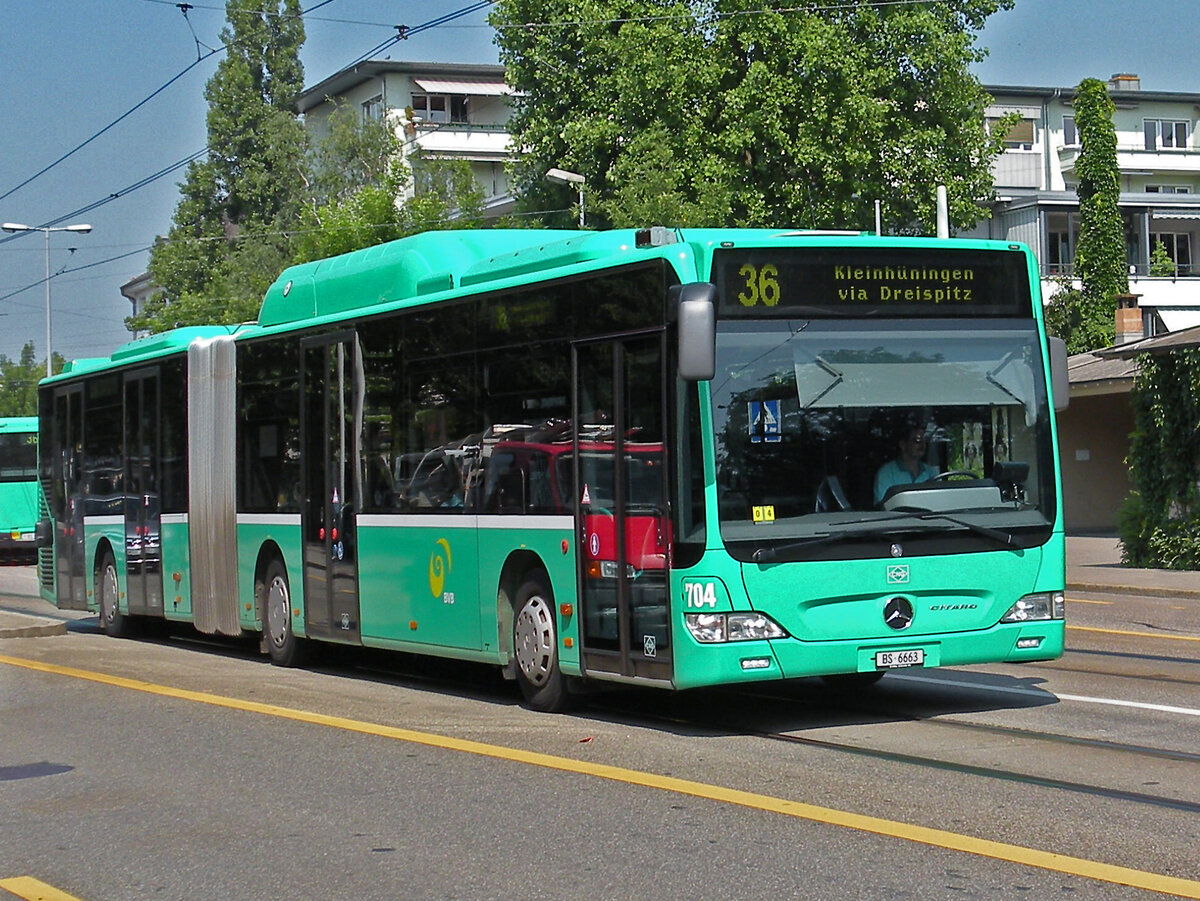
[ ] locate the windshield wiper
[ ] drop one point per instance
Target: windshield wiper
(1005, 538)
(833, 372)
(768, 554)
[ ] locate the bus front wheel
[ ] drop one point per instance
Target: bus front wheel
(108, 593)
(283, 646)
(535, 647)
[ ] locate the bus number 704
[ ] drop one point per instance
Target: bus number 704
(701, 594)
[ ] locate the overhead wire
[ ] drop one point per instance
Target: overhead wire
(41, 281)
(115, 195)
(199, 59)
(820, 7)
(184, 7)
(403, 33)
(105, 129)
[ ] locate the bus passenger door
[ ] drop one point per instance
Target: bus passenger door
(143, 536)
(330, 428)
(620, 503)
(66, 497)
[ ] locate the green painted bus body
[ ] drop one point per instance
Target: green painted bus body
(441, 583)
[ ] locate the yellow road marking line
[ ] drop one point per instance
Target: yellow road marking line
(1046, 860)
(1071, 600)
(1162, 635)
(32, 890)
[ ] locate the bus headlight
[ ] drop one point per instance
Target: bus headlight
(712, 628)
(1033, 607)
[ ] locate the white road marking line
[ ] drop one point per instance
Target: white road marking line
(1045, 694)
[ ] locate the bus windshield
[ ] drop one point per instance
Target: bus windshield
(808, 412)
(18, 457)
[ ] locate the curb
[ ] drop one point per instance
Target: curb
(20, 625)
(1155, 591)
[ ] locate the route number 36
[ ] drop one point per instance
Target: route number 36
(761, 285)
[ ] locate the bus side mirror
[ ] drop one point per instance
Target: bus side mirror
(696, 329)
(43, 534)
(1060, 385)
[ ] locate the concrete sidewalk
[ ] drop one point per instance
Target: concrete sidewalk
(24, 614)
(28, 625)
(1093, 565)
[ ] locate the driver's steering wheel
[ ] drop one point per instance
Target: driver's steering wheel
(951, 473)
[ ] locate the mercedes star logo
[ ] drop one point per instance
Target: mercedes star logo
(898, 613)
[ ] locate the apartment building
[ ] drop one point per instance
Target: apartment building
(1159, 161)
(443, 110)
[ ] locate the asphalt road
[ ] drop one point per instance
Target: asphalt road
(177, 768)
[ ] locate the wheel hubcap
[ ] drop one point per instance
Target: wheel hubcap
(278, 623)
(108, 594)
(533, 640)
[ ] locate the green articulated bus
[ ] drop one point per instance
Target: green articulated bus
(18, 488)
(645, 457)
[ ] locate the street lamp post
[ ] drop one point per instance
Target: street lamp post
(45, 230)
(563, 177)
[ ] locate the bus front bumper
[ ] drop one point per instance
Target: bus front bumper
(14, 540)
(790, 658)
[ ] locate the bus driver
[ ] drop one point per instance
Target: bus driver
(909, 467)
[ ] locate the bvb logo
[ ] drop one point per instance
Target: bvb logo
(439, 567)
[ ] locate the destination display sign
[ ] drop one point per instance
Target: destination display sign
(850, 281)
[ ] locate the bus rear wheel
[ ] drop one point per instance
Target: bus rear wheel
(283, 646)
(535, 647)
(108, 593)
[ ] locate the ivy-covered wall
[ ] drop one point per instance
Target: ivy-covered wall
(1160, 521)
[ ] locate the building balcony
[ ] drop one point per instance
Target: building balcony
(1135, 159)
(462, 139)
(1137, 271)
(1167, 304)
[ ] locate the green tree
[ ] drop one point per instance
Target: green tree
(358, 188)
(447, 196)
(1161, 264)
(1064, 311)
(354, 185)
(1100, 261)
(229, 236)
(19, 380)
(352, 151)
(1160, 521)
(720, 112)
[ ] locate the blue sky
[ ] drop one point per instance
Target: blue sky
(71, 67)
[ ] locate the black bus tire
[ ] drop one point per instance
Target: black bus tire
(108, 596)
(283, 645)
(535, 647)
